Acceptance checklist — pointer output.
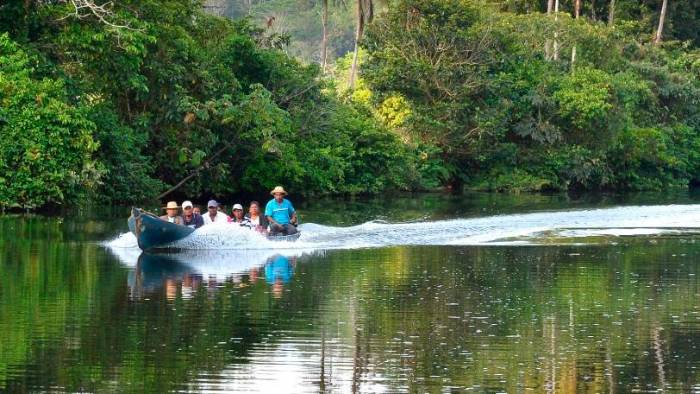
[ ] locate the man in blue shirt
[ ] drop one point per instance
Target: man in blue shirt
(280, 213)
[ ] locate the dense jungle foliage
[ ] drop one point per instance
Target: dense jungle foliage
(120, 102)
(120, 106)
(535, 102)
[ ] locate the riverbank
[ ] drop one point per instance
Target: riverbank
(399, 206)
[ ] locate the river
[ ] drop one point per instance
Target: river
(419, 293)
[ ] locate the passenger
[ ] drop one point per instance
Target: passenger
(237, 215)
(280, 213)
(171, 210)
(256, 221)
(189, 218)
(214, 216)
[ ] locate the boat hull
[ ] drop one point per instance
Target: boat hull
(152, 233)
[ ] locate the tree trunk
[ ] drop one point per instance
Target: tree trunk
(577, 13)
(324, 39)
(662, 17)
(556, 34)
(370, 11)
(577, 9)
(358, 36)
(548, 42)
(611, 13)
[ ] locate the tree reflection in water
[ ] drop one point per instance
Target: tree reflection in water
(605, 318)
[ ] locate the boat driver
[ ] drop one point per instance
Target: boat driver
(280, 213)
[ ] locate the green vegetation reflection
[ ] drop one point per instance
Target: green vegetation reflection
(590, 318)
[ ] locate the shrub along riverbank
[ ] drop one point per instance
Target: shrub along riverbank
(121, 104)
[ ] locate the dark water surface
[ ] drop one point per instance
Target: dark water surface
(607, 312)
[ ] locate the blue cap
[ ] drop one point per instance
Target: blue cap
(212, 203)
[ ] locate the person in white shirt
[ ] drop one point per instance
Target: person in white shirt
(213, 215)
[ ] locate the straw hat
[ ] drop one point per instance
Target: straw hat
(171, 205)
(278, 189)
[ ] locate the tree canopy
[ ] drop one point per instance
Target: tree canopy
(129, 100)
(505, 107)
(124, 104)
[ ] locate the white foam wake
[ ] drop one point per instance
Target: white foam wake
(618, 221)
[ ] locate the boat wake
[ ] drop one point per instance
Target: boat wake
(220, 250)
(528, 228)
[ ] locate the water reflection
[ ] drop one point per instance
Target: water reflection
(183, 274)
(278, 272)
(619, 317)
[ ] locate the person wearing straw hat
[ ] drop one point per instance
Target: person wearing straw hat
(171, 210)
(280, 213)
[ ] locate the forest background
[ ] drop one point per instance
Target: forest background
(131, 100)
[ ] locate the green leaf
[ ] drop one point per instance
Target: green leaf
(182, 155)
(197, 157)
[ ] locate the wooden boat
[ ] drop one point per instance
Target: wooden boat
(152, 232)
